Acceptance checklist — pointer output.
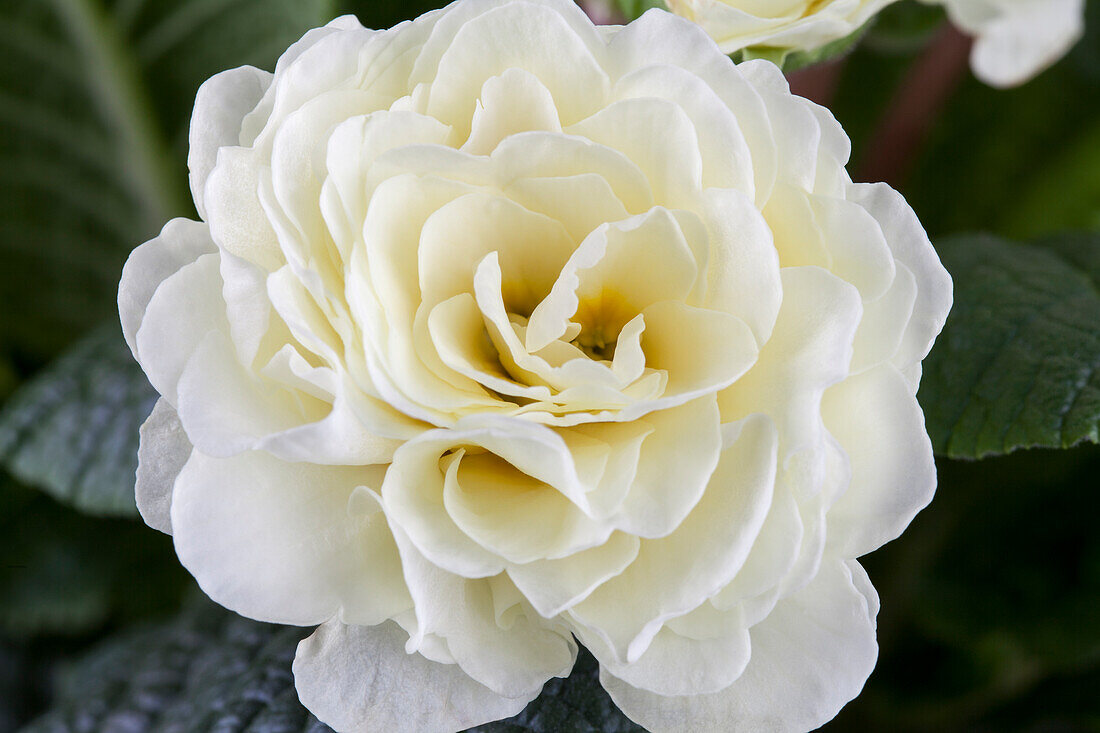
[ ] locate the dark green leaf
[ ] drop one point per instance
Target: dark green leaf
(206, 670)
(210, 670)
(73, 429)
(95, 96)
(576, 704)
(1018, 365)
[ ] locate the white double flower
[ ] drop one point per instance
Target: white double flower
(501, 329)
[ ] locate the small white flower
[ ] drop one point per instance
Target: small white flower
(501, 329)
(1016, 39)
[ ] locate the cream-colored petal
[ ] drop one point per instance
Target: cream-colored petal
(514, 661)
(513, 102)
(179, 243)
(554, 586)
(679, 665)
(530, 247)
(885, 321)
(581, 202)
(877, 420)
(352, 149)
(165, 341)
(663, 38)
(283, 542)
(221, 104)
(809, 657)
(360, 679)
(659, 137)
(773, 554)
(238, 222)
(809, 350)
(912, 249)
(702, 351)
(162, 453)
(1017, 39)
(675, 462)
(613, 275)
(743, 267)
(675, 574)
(544, 155)
(726, 159)
(514, 515)
(523, 35)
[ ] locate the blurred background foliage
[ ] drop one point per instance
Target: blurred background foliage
(991, 600)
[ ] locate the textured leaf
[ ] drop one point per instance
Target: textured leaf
(73, 429)
(211, 670)
(207, 670)
(1018, 364)
(95, 96)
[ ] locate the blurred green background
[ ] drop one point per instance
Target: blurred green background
(990, 602)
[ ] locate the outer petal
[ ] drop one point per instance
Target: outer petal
(179, 243)
(288, 543)
(360, 679)
(878, 422)
(675, 574)
(162, 453)
(809, 657)
(221, 104)
(911, 248)
(679, 665)
(512, 657)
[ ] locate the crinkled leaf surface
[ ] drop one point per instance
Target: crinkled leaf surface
(73, 429)
(211, 670)
(206, 670)
(1018, 365)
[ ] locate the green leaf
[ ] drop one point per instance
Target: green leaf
(205, 670)
(577, 703)
(73, 429)
(95, 98)
(209, 669)
(1018, 365)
